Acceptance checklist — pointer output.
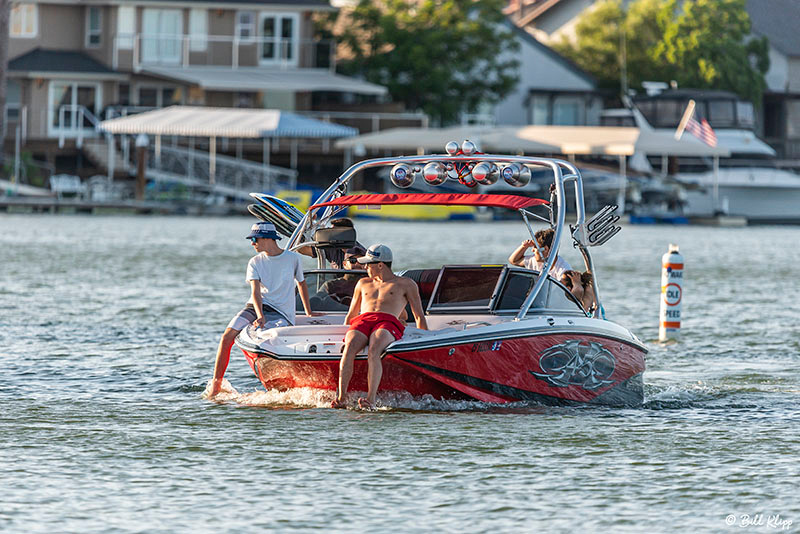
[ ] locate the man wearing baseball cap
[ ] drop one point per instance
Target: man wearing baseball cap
(272, 303)
(379, 299)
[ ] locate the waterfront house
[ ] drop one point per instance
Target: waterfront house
(72, 64)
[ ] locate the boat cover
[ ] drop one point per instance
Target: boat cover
(514, 202)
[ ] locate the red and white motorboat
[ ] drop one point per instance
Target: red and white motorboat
(497, 333)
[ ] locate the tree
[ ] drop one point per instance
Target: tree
(441, 56)
(704, 44)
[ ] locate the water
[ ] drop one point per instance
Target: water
(108, 327)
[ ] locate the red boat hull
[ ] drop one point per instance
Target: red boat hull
(549, 368)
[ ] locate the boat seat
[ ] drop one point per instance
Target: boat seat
(426, 282)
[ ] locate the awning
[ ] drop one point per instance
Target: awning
(513, 202)
(264, 79)
(595, 140)
(193, 121)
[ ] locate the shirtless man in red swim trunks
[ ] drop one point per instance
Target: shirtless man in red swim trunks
(378, 300)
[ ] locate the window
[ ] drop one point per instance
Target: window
(13, 100)
(721, 113)
(278, 38)
(24, 20)
(567, 110)
(198, 30)
(538, 109)
(94, 21)
(158, 97)
(126, 27)
(245, 25)
(124, 92)
(745, 114)
(162, 36)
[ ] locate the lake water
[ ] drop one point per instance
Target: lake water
(108, 327)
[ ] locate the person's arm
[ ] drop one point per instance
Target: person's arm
(355, 304)
(412, 293)
(577, 286)
(517, 257)
(302, 287)
(255, 295)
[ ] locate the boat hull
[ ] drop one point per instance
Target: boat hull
(552, 369)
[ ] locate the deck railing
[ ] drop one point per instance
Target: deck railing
(136, 50)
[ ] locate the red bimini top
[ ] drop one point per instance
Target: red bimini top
(513, 202)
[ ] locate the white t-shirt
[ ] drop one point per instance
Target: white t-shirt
(558, 268)
(277, 275)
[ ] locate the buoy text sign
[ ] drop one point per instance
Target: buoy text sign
(671, 294)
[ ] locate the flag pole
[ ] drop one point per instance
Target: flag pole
(686, 116)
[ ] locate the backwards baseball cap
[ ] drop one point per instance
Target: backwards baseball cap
(377, 253)
(263, 229)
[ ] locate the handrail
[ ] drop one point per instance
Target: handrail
(76, 126)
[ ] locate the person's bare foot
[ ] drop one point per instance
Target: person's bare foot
(364, 404)
(338, 404)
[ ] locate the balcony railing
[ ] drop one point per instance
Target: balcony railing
(137, 50)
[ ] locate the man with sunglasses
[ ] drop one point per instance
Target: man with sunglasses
(341, 289)
(271, 273)
(376, 320)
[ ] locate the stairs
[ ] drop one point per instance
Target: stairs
(97, 152)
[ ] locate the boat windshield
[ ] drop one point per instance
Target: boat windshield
(330, 290)
(465, 288)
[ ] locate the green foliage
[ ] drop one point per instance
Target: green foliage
(703, 44)
(440, 56)
(29, 171)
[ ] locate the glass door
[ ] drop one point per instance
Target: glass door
(162, 36)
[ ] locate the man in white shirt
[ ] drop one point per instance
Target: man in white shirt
(272, 300)
(535, 262)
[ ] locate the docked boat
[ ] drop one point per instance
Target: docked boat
(748, 184)
(497, 333)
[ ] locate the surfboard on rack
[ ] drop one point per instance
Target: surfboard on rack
(262, 212)
(285, 210)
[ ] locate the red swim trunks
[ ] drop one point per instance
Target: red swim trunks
(367, 323)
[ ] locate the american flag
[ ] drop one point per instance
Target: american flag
(702, 130)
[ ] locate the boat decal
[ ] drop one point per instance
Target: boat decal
(485, 346)
(577, 363)
(494, 387)
(431, 342)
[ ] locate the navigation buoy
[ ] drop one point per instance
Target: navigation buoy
(671, 294)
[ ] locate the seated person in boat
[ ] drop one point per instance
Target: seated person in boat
(272, 274)
(341, 289)
(378, 301)
(580, 285)
(334, 256)
(541, 250)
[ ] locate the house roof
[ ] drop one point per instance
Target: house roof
(325, 4)
(536, 9)
(43, 60)
(527, 38)
(777, 21)
(262, 79)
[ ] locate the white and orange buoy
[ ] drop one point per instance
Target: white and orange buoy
(671, 294)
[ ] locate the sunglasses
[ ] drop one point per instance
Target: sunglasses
(254, 240)
(351, 259)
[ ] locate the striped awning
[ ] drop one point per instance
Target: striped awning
(191, 121)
